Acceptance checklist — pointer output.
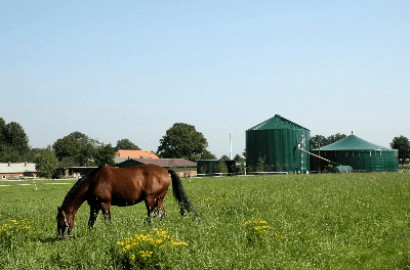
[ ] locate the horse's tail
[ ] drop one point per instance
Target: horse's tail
(180, 194)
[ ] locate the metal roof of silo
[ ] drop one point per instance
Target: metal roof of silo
(353, 142)
(277, 122)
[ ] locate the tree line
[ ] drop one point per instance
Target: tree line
(77, 149)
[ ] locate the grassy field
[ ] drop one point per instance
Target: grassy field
(328, 221)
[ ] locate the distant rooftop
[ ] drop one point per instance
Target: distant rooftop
(277, 122)
(166, 162)
(135, 154)
(17, 167)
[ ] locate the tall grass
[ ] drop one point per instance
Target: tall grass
(329, 221)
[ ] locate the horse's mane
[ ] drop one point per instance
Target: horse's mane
(76, 186)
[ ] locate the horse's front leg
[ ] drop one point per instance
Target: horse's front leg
(93, 216)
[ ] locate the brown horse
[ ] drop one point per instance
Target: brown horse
(108, 186)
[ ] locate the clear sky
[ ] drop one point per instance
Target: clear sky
(131, 69)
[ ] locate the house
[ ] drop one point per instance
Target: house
(184, 168)
(123, 155)
(72, 172)
(17, 170)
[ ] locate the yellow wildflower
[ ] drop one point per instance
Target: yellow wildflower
(145, 253)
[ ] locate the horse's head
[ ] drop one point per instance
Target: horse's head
(62, 223)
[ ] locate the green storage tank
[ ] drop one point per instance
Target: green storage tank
(275, 142)
(359, 154)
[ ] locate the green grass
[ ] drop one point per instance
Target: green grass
(328, 221)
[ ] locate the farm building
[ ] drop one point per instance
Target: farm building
(123, 155)
(72, 172)
(274, 143)
(184, 168)
(359, 154)
(211, 166)
(17, 170)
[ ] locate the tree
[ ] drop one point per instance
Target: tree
(222, 168)
(8, 153)
(13, 142)
(105, 155)
(207, 155)
(77, 146)
(66, 147)
(402, 144)
(238, 158)
(46, 163)
(17, 137)
(317, 140)
(126, 144)
(2, 132)
(335, 138)
(224, 157)
(182, 140)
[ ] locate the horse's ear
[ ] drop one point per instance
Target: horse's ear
(58, 208)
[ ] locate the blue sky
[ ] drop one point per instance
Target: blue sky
(131, 69)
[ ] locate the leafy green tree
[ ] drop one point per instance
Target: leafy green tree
(68, 162)
(335, 138)
(225, 157)
(13, 137)
(46, 163)
(126, 144)
(13, 142)
(402, 144)
(17, 137)
(78, 146)
(3, 130)
(66, 147)
(238, 158)
(318, 140)
(222, 168)
(207, 155)
(105, 155)
(8, 153)
(182, 140)
(30, 155)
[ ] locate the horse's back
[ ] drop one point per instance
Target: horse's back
(125, 185)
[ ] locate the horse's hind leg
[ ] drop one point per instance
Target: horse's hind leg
(93, 216)
(152, 208)
(161, 210)
(105, 207)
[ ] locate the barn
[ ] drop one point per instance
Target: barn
(361, 155)
(184, 168)
(275, 144)
(17, 170)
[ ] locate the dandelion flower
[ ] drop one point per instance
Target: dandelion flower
(145, 253)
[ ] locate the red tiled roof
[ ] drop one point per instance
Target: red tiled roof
(136, 154)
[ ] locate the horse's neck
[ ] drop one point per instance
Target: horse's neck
(75, 197)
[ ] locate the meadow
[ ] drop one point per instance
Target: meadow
(327, 221)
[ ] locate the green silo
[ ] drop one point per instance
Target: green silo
(275, 143)
(361, 155)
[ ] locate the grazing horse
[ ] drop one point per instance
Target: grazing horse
(108, 186)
